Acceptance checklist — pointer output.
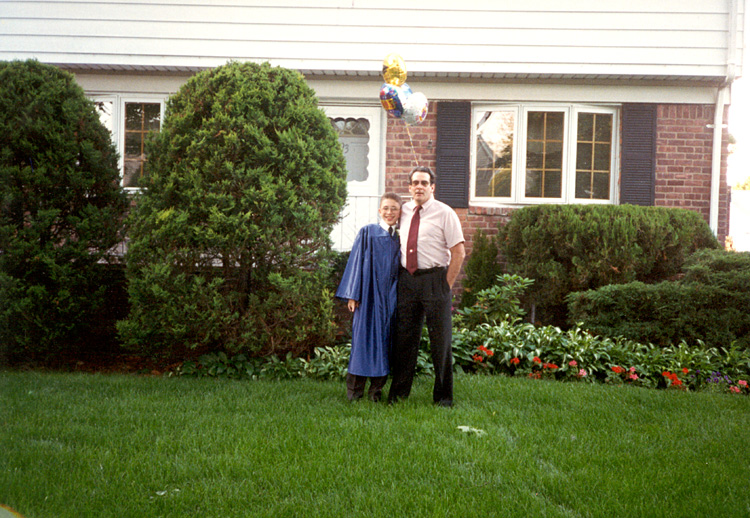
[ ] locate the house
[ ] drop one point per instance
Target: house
(540, 101)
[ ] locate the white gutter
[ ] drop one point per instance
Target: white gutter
(718, 126)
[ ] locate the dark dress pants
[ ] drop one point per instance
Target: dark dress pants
(422, 296)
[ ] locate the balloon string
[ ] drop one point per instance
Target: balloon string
(416, 162)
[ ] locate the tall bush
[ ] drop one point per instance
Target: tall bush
(230, 237)
(61, 210)
(568, 248)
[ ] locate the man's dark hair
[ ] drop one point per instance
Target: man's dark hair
(423, 169)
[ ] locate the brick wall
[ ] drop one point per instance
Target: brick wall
(683, 161)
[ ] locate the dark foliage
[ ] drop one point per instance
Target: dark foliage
(710, 303)
(230, 246)
(568, 248)
(61, 210)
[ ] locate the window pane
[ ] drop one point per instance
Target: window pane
(552, 184)
(583, 155)
(140, 118)
(544, 154)
(535, 129)
(534, 184)
(602, 157)
(583, 184)
(555, 121)
(585, 126)
(553, 155)
(133, 116)
(495, 134)
(152, 116)
(535, 155)
(594, 156)
(354, 137)
(603, 127)
(133, 172)
(133, 143)
(601, 186)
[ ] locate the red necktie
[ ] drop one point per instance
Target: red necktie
(411, 243)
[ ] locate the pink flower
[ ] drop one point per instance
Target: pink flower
(633, 377)
(742, 383)
(736, 390)
(573, 363)
(632, 369)
(581, 373)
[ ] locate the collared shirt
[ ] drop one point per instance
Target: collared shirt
(439, 231)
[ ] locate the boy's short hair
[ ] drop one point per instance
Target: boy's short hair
(392, 196)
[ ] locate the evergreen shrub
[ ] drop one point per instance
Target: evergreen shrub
(709, 303)
(568, 248)
(230, 246)
(481, 269)
(61, 210)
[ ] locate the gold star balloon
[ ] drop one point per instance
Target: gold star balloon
(394, 70)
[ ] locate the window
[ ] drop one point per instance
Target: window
(140, 118)
(130, 120)
(544, 154)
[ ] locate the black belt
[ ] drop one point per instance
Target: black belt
(428, 270)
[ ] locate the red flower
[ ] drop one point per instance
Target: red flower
(536, 359)
(477, 358)
(685, 370)
(551, 366)
(490, 352)
(617, 369)
(676, 382)
(515, 361)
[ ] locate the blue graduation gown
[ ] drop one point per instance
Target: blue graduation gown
(370, 278)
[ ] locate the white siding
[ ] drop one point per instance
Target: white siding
(670, 39)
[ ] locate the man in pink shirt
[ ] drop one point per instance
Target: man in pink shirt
(432, 251)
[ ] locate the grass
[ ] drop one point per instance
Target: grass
(80, 445)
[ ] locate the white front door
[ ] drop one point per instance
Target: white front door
(361, 134)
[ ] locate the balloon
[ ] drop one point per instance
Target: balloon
(394, 70)
(392, 98)
(415, 108)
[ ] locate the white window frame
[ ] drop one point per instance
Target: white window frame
(141, 98)
(570, 145)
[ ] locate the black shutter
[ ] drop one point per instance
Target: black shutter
(453, 153)
(638, 154)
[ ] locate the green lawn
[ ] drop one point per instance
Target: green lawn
(77, 445)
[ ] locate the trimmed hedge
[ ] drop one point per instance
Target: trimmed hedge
(569, 248)
(709, 303)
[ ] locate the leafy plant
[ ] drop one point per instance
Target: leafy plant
(230, 242)
(61, 210)
(569, 248)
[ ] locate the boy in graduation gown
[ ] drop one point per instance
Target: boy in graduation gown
(369, 286)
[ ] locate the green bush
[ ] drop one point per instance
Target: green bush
(230, 246)
(61, 210)
(568, 248)
(481, 268)
(709, 303)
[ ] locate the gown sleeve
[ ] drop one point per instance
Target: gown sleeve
(350, 286)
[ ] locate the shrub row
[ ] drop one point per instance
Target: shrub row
(709, 304)
(569, 248)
